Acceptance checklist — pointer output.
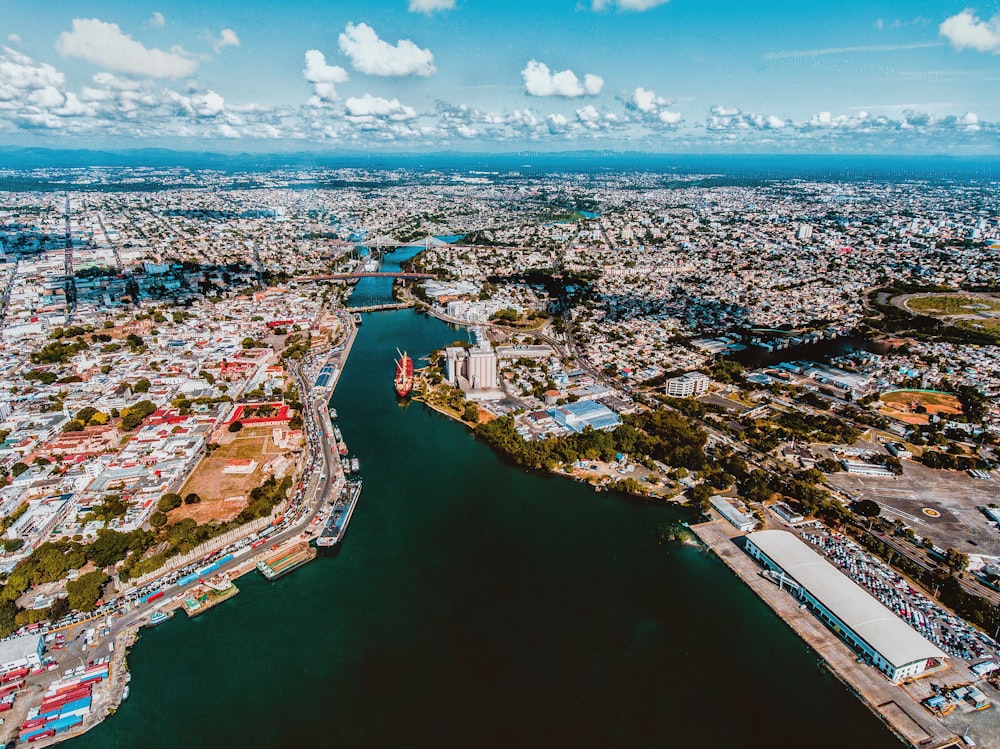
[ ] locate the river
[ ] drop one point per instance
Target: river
(476, 604)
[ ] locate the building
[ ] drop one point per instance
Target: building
(739, 520)
(688, 384)
(240, 466)
(21, 652)
(805, 231)
(584, 413)
(882, 638)
(474, 370)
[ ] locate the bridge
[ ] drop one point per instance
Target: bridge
(361, 274)
(380, 307)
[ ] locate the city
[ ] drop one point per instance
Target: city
(164, 409)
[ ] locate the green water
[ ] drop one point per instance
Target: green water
(475, 605)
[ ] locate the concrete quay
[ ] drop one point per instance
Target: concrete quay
(904, 715)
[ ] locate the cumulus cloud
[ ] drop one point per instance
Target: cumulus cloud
(323, 77)
(226, 38)
(966, 30)
(104, 44)
(636, 5)
(375, 107)
(540, 81)
(731, 118)
(13, 38)
(369, 54)
(431, 6)
(647, 101)
(156, 21)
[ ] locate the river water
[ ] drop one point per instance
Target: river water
(474, 604)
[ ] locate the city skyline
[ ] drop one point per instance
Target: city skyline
(426, 75)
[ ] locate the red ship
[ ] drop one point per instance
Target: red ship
(404, 375)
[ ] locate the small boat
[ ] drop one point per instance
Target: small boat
(125, 693)
(158, 617)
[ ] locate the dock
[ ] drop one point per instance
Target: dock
(286, 560)
(904, 715)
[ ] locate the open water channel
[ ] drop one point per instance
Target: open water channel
(474, 604)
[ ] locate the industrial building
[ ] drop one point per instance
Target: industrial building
(21, 652)
(739, 520)
(584, 413)
(881, 637)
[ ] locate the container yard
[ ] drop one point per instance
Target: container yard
(286, 560)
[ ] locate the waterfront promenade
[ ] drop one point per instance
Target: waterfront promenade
(902, 713)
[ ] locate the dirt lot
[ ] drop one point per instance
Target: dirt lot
(222, 493)
(953, 495)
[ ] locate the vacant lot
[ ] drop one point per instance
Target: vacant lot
(953, 495)
(223, 494)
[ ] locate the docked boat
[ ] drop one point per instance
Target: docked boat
(355, 465)
(336, 524)
(357, 319)
(158, 617)
(342, 448)
(333, 413)
(125, 693)
(404, 375)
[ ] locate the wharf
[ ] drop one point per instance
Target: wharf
(904, 715)
(286, 560)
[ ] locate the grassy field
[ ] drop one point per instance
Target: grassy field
(213, 486)
(951, 304)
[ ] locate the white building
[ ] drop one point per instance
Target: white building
(881, 637)
(21, 652)
(474, 370)
(688, 384)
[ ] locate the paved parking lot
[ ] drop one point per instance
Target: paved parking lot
(953, 495)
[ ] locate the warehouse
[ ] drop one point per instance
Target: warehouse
(881, 637)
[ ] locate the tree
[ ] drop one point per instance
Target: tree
(192, 499)
(142, 386)
(84, 592)
(867, 508)
(235, 426)
(956, 560)
(168, 502)
(157, 519)
(17, 469)
(471, 413)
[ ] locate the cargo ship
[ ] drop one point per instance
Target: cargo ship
(336, 524)
(404, 375)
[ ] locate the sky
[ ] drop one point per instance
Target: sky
(671, 76)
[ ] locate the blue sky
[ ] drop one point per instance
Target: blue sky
(680, 76)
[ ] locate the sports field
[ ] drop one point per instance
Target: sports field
(914, 406)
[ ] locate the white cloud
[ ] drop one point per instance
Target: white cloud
(323, 76)
(431, 6)
(368, 107)
(647, 101)
(636, 5)
(966, 30)
(731, 118)
(669, 118)
(540, 81)
(104, 44)
(226, 38)
(369, 54)
(13, 38)
(156, 21)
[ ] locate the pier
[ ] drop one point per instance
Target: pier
(382, 307)
(904, 715)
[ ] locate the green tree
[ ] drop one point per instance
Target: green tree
(142, 386)
(84, 592)
(192, 499)
(17, 469)
(157, 519)
(956, 560)
(235, 426)
(168, 502)
(867, 508)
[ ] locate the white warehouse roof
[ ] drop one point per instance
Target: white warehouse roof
(885, 632)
